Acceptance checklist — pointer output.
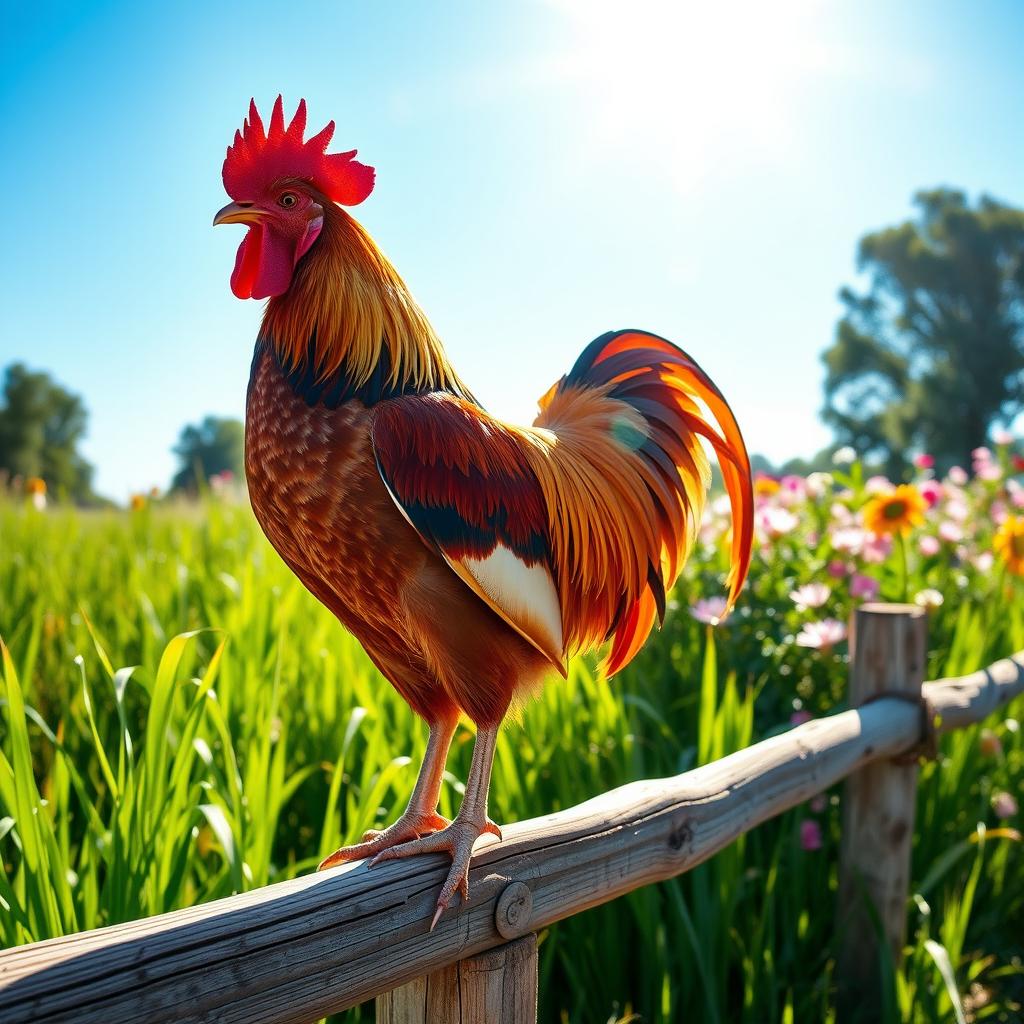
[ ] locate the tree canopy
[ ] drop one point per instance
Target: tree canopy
(207, 449)
(41, 425)
(931, 355)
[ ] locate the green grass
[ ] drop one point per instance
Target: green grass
(182, 721)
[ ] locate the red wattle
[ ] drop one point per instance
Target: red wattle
(264, 264)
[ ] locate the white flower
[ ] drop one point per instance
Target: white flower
(958, 475)
(928, 598)
(844, 456)
(818, 484)
(810, 595)
(1002, 437)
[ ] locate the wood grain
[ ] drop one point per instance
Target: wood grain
(297, 950)
(498, 986)
(888, 650)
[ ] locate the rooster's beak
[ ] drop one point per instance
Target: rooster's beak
(238, 213)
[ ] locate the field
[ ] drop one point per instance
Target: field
(252, 737)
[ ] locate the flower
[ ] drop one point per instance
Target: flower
(989, 471)
(822, 636)
(865, 587)
(989, 744)
(931, 491)
(138, 502)
(844, 456)
(35, 485)
(1009, 544)
(776, 522)
(849, 540)
(818, 485)
(950, 532)
(766, 486)
(818, 803)
(924, 461)
(810, 835)
(980, 456)
(928, 598)
(929, 546)
(1004, 804)
(837, 570)
(958, 475)
(877, 549)
(878, 485)
(896, 511)
(1018, 463)
(800, 717)
(709, 610)
(810, 595)
(1002, 437)
(983, 561)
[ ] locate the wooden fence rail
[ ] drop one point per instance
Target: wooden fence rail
(298, 950)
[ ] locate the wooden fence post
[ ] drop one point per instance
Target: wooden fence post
(495, 987)
(888, 651)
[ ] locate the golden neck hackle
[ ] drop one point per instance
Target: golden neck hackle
(347, 308)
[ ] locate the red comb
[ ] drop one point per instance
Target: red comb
(256, 159)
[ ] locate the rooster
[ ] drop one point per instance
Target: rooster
(470, 557)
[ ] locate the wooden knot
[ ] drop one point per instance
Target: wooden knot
(514, 910)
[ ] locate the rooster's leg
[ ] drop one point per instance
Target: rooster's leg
(470, 823)
(420, 817)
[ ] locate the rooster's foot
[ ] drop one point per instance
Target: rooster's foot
(457, 840)
(409, 827)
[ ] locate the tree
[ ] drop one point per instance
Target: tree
(931, 355)
(41, 425)
(207, 449)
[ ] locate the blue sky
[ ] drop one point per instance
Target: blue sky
(546, 171)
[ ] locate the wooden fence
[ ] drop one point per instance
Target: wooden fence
(301, 949)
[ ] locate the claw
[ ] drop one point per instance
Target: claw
(409, 827)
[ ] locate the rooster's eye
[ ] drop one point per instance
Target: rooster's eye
(288, 199)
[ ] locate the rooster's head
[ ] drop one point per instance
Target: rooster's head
(280, 184)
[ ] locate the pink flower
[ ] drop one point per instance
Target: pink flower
(837, 570)
(1004, 804)
(865, 587)
(989, 471)
(822, 636)
(800, 717)
(818, 803)
(950, 532)
(981, 455)
(709, 610)
(810, 835)
(877, 549)
(1002, 437)
(929, 546)
(924, 461)
(878, 485)
(958, 475)
(840, 514)
(931, 491)
(810, 595)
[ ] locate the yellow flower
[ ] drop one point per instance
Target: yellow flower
(35, 485)
(1009, 544)
(138, 502)
(896, 511)
(766, 486)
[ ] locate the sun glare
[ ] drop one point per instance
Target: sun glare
(690, 86)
